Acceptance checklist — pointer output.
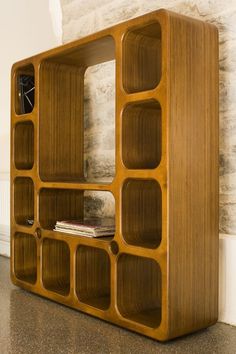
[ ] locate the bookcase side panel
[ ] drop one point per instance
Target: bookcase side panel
(193, 175)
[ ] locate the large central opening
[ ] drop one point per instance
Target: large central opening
(77, 114)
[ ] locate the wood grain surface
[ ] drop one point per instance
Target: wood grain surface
(158, 275)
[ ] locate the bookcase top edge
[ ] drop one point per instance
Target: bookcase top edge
(116, 32)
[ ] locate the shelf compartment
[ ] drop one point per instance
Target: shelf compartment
(93, 277)
(23, 200)
(142, 58)
(25, 257)
(141, 135)
(139, 290)
(69, 107)
(59, 204)
(73, 204)
(24, 145)
(25, 90)
(56, 266)
(142, 212)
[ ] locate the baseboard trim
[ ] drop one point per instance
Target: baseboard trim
(5, 240)
(5, 248)
(227, 283)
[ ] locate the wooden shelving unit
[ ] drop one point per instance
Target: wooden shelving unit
(159, 274)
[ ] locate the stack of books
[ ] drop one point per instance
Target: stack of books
(94, 227)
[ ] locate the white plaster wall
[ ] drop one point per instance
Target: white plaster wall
(227, 285)
(26, 28)
(82, 17)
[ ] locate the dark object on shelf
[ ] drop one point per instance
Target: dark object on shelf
(30, 222)
(26, 93)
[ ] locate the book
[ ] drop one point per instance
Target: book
(93, 227)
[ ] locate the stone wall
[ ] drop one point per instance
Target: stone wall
(82, 17)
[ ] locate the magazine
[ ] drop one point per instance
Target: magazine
(89, 227)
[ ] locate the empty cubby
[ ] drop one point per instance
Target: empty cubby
(25, 257)
(61, 101)
(24, 146)
(139, 290)
(56, 266)
(142, 58)
(23, 200)
(73, 204)
(93, 280)
(59, 204)
(141, 135)
(25, 90)
(142, 213)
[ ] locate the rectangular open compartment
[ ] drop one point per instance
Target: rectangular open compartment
(25, 89)
(64, 125)
(139, 290)
(23, 200)
(93, 278)
(25, 257)
(141, 135)
(142, 62)
(24, 145)
(142, 212)
(56, 266)
(73, 204)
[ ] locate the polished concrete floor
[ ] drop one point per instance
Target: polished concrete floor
(31, 324)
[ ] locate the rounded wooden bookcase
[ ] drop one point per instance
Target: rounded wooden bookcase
(158, 274)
